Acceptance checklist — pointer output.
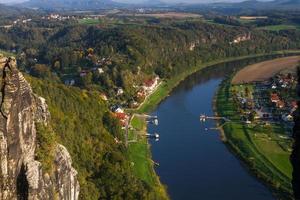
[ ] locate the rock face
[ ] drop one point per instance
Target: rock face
(295, 157)
(21, 175)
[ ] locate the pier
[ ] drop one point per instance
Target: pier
(203, 118)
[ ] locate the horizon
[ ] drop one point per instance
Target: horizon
(144, 1)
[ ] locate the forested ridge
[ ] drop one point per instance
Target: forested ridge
(128, 55)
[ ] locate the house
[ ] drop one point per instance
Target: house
(274, 98)
(117, 109)
(100, 70)
(83, 73)
(150, 84)
(294, 104)
(141, 94)
(120, 91)
(287, 117)
(70, 82)
(280, 104)
(103, 97)
(123, 118)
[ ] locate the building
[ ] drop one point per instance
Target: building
(120, 91)
(83, 73)
(70, 82)
(103, 97)
(123, 118)
(117, 109)
(274, 98)
(150, 84)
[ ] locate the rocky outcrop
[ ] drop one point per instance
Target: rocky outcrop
(295, 157)
(241, 38)
(21, 174)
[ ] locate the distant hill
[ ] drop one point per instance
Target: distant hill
(9, 11)
(71, 4)
(259, 5)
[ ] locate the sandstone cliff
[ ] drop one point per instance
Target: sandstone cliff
(21, 174)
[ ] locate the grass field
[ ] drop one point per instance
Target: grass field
(257, 145)
(89, 21)
(140, 155)
(280, 27)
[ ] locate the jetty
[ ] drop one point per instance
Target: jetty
(203, 118)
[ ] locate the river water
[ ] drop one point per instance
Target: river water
(193, 161)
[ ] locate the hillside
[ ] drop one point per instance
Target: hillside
(84, 124)
(143, 51)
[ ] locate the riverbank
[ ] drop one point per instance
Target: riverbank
(243, 141)
(167, 86)
(139, 152)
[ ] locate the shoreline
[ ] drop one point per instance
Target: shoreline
(257, 172)
(166, 86)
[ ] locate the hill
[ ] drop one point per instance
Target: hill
(71, 4)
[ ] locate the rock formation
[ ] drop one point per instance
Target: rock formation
(21, 174)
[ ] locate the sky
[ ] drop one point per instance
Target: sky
(140, 1)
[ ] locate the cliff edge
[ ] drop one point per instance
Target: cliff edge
(22, 175)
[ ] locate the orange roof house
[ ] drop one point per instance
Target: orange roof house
(274, 98)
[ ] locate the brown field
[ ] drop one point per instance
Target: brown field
(178, 15)
(265, 70)
(253, 17)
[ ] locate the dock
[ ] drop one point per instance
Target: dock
(203, 118)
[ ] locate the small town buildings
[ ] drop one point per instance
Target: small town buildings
(100, 70)
(120, 91)
(287, 117)
(123, 118)
(150, 84)
(274, 98)
(117, 109)
(83, 73)
(103, 97)
(70, 82)
(280, 104)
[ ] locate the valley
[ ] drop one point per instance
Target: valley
(109, 70)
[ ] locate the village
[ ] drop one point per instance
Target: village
(269, 102)
(145, 90)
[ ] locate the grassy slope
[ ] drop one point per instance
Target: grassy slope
(279, 27)
(265, 158)
(139, 153)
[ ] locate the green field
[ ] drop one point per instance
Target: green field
(280, 27)
(140, 156)
(259, 146)
(89, 21)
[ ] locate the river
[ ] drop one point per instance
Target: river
(193, 162)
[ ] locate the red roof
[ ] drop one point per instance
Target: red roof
(274, 97)
(121, 116)
(149, 82)
(294, 104)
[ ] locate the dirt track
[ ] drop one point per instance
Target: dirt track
(265, 70)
